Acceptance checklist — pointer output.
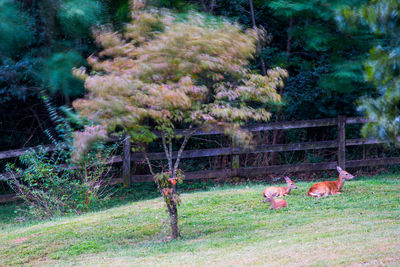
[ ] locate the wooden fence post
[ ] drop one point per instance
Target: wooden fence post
(342, 142)
(126, 163)
(235, 158)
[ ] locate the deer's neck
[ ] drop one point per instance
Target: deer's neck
(273, 203)
(287, 189)
(340, 182)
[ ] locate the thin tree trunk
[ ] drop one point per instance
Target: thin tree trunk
(212, 5)
(277, 134)
(173, 215)
(148, 163)
(253, 21)
(178, 157)
(210, 8)
(203, 4)
(170, 150)
(47, 18)
(289, 41)
(167, 152)
(67, 100)
(172, 205)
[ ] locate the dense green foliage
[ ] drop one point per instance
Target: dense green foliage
(325, 65)
(77, 17)
(57, 73)
(382, 69)
(16, 35)
(40, 42)
(16, 28)
(33, 36)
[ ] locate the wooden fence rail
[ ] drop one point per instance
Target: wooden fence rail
(340, 143)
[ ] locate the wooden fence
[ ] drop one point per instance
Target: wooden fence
(340, 143)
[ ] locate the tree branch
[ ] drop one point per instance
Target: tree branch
(167, 154)
(212, 5)
(37, 119)
(170, 148)
(258, 48)
(179, 155)
(148, 162)
(204, 6)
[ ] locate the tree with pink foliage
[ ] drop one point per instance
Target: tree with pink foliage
(166, 71)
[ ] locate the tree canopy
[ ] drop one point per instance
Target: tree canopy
(175, 70)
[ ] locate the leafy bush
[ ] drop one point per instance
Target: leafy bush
(51, 183)
(49, 187)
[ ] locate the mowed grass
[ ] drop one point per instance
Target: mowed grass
(225, 226)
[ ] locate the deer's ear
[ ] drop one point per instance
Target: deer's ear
(339, 169)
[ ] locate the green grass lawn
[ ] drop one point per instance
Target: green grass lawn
(224, 226)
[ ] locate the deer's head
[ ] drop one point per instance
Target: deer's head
(343, 174)
(290, 183)
(268, 199)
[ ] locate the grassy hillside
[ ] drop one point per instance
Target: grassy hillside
(223, 226)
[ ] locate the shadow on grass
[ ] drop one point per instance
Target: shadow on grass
(119, 196)
(144, 191)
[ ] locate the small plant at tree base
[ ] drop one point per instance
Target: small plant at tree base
(166, 72)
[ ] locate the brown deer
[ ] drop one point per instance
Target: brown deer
(275, 204)
(322, 189)
(279, 191)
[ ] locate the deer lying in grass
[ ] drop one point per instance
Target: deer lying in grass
(279, 191)
(322, 189)
(275, 204)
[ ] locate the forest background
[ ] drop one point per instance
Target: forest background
(326, 47)
(41, 41)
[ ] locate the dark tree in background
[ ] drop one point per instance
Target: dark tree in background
(40, 42)
(383, 65)
(325, 65)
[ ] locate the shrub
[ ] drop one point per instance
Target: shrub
(51, 183)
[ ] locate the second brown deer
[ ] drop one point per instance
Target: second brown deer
(279, 191)
(275, 203)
